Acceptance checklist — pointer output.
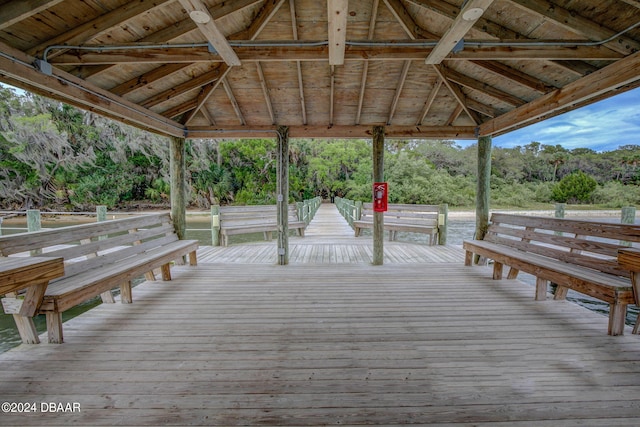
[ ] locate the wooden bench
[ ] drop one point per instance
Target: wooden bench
(236, 220)
(97, 258)
(403, 217)
(573, 254)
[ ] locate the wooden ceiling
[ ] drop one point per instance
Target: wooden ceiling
(335, 68)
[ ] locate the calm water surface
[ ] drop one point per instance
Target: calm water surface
(458, 230)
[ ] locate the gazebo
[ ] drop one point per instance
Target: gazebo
(459, 69)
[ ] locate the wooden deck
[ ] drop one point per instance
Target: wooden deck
(231, 343)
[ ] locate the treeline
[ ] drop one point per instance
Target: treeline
(53, 156)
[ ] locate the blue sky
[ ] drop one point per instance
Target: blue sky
(603, 126)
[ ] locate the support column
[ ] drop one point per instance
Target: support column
(283, 195)
(378, 176)
(484, 188)
(177, 168)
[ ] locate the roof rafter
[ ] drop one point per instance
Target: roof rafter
(294, 29)
(265, 92)
(399, 87)
(469, 15)
(203, 96)
(17, 10)
(147, 78)
(486, 89)
(234, 101)
(515, 75)
(457, 93)
(409, 25)
(365, 66)
(429, 102)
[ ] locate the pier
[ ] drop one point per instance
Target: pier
(330, 340)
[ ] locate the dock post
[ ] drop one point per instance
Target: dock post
(215, 225)
(443, 219)
(628, 217)
(283, 195)
(378, 176)
(101, 213)
(177, 167)
(484, 188)
(34, 224)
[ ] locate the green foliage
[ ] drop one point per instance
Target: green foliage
(614, 194)
(577, 187)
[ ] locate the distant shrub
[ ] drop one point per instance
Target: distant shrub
(577, 187)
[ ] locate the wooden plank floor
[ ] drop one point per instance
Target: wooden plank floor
(340, 343)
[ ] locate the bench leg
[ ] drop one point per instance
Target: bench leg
(513, 273)
(497, 271)
(617, 314)
(26, 329)
(107, 297)
(636, 328)
(541, 289)
(561, 292)
(193, 259)
(356, 231)
(126, 296)
(468, 258)
(166, 272)
(54, 327)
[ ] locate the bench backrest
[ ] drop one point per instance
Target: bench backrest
(590, 244)
(253, 215)
(89, 245)
(405, 214)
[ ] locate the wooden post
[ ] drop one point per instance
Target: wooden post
(101, 213)
(378, 176)
(628, 217)
(215, 225)
(560, 210)
(178, 192)
(443, 219)
(484, 188)
(34, 224)
(283, 195)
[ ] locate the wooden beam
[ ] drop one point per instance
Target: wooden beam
(456, 92)
(483, 193)
(203, 96)
(585, 27)
(292, 52)
(262, 18)
(282, 197)
(147, 78)
(199, 13)
(378, 176)
(189, 85)
(294, 25)
(365, 66)
(177, 166)
(234, 102)
(207, 114)
(89, 30)
(17, 10)
(409, 25)
(516, 76)
(454, 115)
(429, 102)
(471, 12)
(593, 86)
(485, 88)
(399, 87)
(336, 131)
(65, 87)
(337, 17)
(265, 92)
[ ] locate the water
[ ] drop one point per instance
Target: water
(459, 229)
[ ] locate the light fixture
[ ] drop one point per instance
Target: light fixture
(199, 16)
(472, 14)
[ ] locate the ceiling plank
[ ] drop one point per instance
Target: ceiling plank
(189, 85)
(429, 102)
(593, 86)
(365, 66)
(294, 25)
(338, 131)
(234, 101)
(337, 26)
(203, 97)
(91, 29)
(265, 92)
(514, 75)
(261, 19)
(399, 87)
(295, 52)
(579, 24)
(65, 87)
(484, 88)
(409, 25)
(17, 10)
(147, 78)
(469, 15)
(198, 11)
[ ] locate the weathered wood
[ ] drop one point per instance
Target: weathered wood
(378, 176)
(283, 195)
(177, 165)
(574, 254)
(483, 187)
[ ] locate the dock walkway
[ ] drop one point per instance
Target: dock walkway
(340, 343)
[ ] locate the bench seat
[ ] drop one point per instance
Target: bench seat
(235, 220)
(576, 255)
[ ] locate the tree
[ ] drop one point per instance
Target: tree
(577, 187)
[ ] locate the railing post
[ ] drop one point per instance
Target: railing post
(560, 210)
(300, 210)
(101, 213)
(34, 224)
(443, 220)
(628, 217)
(358, 210)
(215, 225)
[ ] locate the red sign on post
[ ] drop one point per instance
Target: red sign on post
(380, 191)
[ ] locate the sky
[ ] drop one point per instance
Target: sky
(603, 126)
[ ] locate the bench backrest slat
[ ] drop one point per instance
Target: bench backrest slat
(22, 242)
(591, 244)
